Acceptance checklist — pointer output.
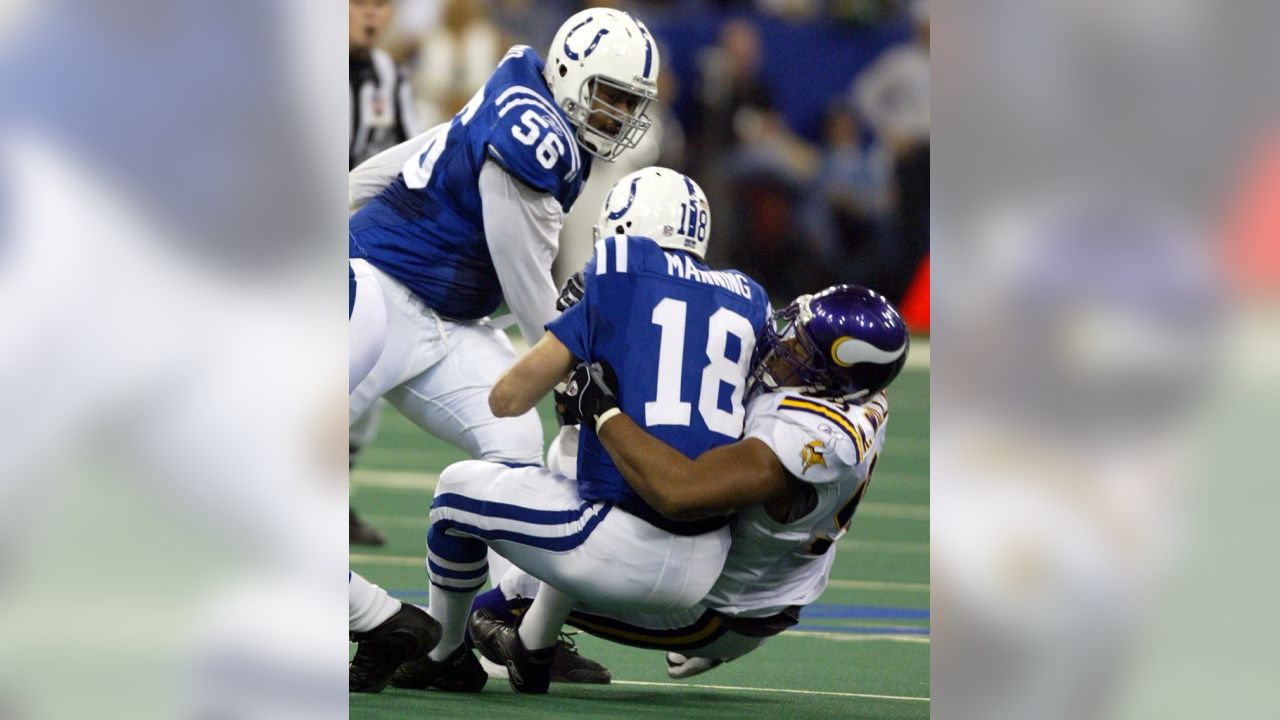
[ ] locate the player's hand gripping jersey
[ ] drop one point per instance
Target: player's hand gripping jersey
(426, 229)
(830, 447)
(680, 337)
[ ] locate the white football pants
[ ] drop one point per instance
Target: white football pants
(596, 553)
(367, 323)
(438, 373)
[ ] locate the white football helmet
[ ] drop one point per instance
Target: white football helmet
(660, 204)
(601, 49)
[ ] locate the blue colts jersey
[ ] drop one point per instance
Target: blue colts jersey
(426, 228)
(680, 337)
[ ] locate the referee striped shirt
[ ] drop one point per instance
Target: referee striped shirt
(382, 107)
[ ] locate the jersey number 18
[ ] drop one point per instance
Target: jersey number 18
(667, 408)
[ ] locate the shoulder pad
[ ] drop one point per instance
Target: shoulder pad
(532, 139)
(814, 440)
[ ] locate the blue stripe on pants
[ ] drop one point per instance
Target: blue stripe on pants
(507, 511)
(553, 544)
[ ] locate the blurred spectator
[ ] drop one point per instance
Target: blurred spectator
(382, 107)
(766, 138)
(775, 251)
(767, 185)
(791, 10)
(855, 177)
(853, 198)
(527, 22)
(413, 19)
(455, 59)
(862, 13)
(672, 147)
(893, 94)
(729, 92)
(728, 98)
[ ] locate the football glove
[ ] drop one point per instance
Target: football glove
(588, 393)
(571, 292)
(565, 406)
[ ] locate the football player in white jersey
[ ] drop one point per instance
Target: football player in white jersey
(458, 220)
(814, 430)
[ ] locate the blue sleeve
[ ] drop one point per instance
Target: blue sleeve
(573, 327)
(608, 291)
(525, 140)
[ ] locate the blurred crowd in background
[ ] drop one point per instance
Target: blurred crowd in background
(806, 122)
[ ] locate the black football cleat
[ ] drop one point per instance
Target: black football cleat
(405, 636)
(528, 671)
(460, 672)
(569, 666)
(361, 533)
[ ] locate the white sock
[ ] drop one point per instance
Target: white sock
(498, 567)
(451, 610)
(542, 622)
(368, 605)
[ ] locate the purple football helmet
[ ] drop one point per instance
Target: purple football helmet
(846, 342)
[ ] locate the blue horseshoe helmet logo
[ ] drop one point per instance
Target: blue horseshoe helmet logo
(631, 198)
(590, 48)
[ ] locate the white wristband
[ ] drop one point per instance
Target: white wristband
(604, 416)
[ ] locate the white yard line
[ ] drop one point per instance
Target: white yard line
(398, 560)
(918, 355)
(771, 690)
(897, 548)
(394, 480)
(399, 521)
(855, 637)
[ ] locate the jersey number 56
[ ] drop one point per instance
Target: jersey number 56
(551, 147)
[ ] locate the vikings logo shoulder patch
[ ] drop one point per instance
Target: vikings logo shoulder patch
(812, 454)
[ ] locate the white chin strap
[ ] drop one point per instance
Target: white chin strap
(597, 145)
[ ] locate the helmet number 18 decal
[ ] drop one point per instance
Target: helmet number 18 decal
(693, 221)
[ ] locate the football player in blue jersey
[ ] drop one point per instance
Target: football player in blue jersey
(680, 337)
(460, 218)
(467, 214)
(815, 427)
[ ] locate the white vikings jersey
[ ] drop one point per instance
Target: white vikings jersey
(831, 448)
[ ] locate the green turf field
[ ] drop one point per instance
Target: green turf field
(862, 651)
